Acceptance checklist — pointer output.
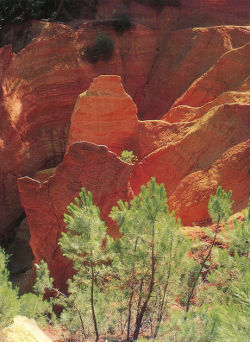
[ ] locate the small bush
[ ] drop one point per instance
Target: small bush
(35, 307)
(128, 157)
(9, 305)
(102, 49)
(122, 23)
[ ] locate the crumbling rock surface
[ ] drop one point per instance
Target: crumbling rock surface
(190, 158)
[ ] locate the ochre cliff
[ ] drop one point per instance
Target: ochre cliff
(106, 115)
(186, 70)
(176, 72)
(85, 164)
(190, 158)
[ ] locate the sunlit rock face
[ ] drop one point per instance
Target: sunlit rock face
(186, 72)
(105, 114)
(191, 158)
(85, 164)
(173, 64)
(39, 87)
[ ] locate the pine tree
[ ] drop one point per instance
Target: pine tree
(146, 257)
(219, 208)
(232, 295)
(222, 307)
(83, 244)
(132, 283)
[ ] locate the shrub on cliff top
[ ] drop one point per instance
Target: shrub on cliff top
(128, 157)
(102, 49)
(161, 3)
(122, 22)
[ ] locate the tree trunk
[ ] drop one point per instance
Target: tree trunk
(59, 293)
(162, 306)
(129, 314)
(92, 303)
(139, 318)
(140, 298)
(67, 14)
(58, 11)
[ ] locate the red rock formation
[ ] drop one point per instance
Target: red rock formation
(192, 13)
(195, 147)
(191, 159)
(231, 171)
(170, 152)
(195, 76)
(40, 84)
(39, 87)
(85, 164)
(105, 114)
(199, 56)
(228, 74)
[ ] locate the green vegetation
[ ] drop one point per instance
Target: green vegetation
(15, 10)
(9, 305)
(11, 10)
(145, 283)
(83, 245)
(148, 260)
(219, 208)
(30, 304)
(122, 22)
(222, 301)
(102, 49)
(128, 157)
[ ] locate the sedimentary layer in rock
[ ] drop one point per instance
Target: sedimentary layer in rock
(190, 158)
(85, 164)
(231, 171)
(39, 87)
(226, 82)
(105, 114)
(158, 63)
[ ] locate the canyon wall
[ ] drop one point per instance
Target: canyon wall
(187, 120)
(190, 158)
